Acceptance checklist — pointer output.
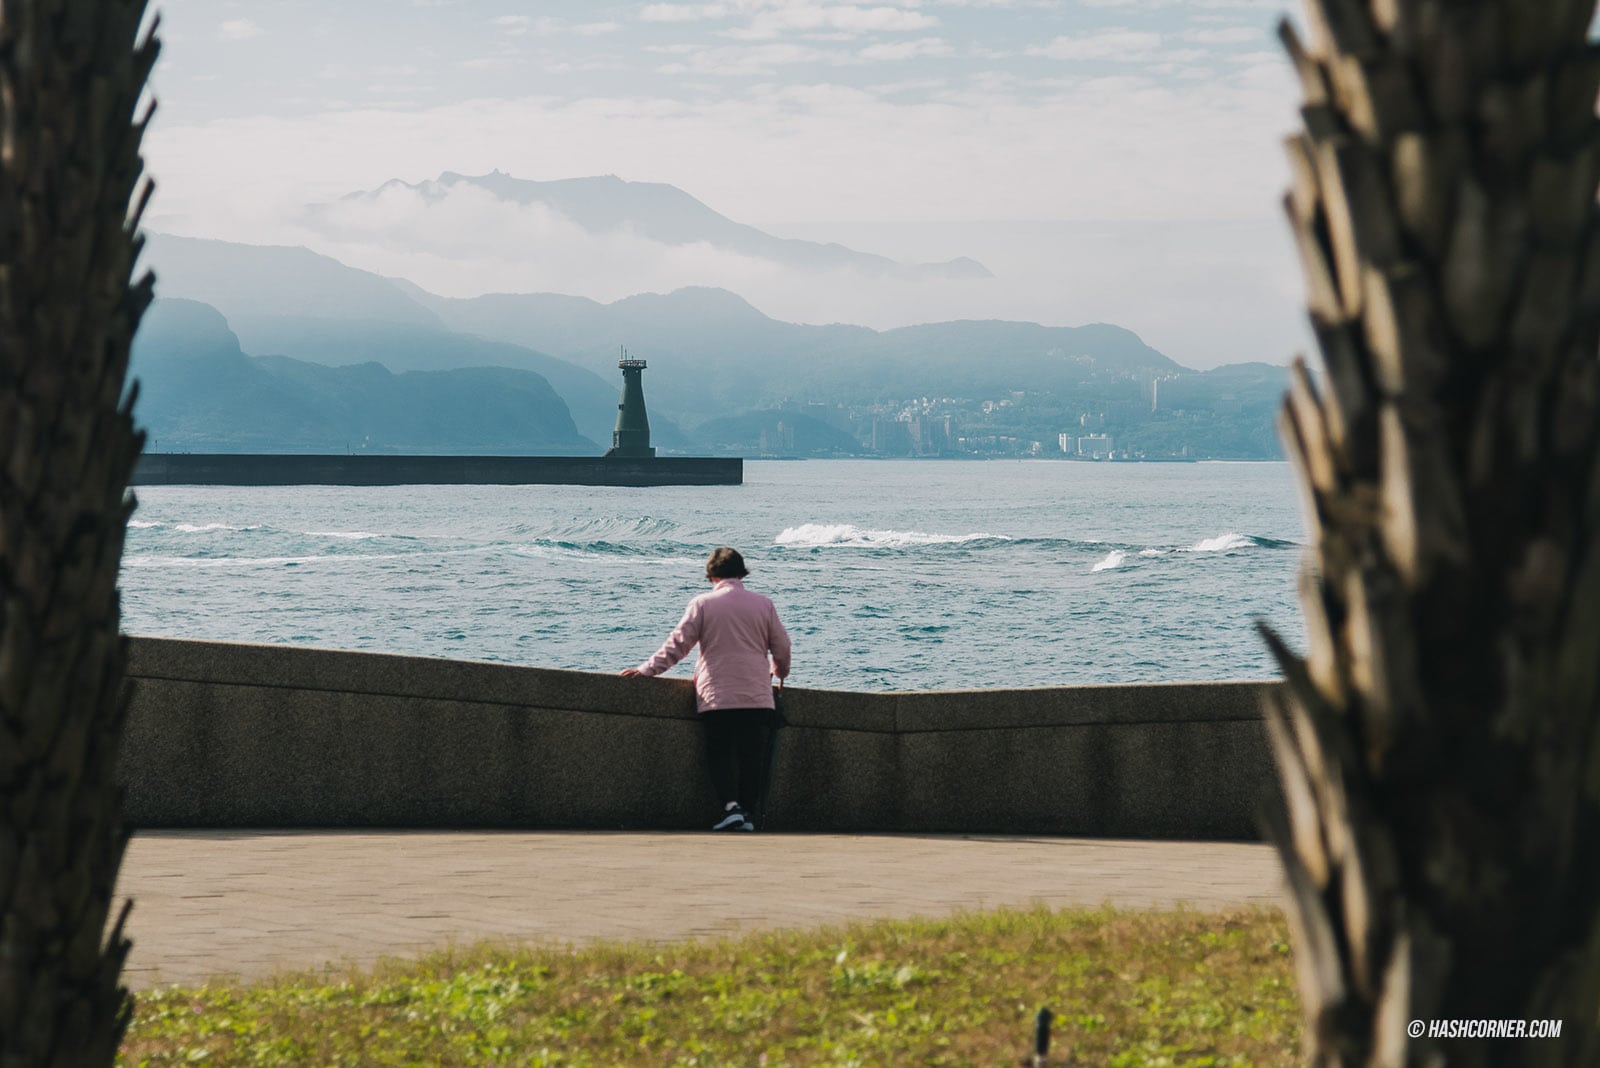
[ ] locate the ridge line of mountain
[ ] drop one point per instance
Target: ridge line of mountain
(413, 292)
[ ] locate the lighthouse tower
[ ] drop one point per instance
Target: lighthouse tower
(631, 439)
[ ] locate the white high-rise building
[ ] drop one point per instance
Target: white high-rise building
(1097, 446)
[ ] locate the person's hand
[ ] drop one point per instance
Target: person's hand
(631, 672)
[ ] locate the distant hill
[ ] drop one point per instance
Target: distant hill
(590, 397)
(199, 391)
(726, 353)
(710, 352)
(293, 302)
(713, 357)
(240, 280)
(663, 213)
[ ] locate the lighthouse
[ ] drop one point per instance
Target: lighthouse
(631, 439)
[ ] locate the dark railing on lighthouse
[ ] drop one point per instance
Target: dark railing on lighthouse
(632, 436)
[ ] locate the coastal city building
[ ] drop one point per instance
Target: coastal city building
(1095, 446)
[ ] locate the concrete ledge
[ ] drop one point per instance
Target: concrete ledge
(335, 671)
(959, 710)
(303, 469)
(232, 735)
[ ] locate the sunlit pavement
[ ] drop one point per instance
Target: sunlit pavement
(247, 904)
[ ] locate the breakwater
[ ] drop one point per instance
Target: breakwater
(274, 469)
(235, 735)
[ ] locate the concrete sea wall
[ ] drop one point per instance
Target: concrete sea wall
(230, 735)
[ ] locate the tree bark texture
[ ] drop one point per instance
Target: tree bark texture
(1437, 747)
(71, 76)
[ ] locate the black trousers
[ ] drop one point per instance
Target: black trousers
(738, 750)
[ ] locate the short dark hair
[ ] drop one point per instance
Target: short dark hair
(726, 563)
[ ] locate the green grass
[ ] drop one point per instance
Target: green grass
(1128, 988)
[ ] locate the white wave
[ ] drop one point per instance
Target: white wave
(191, 528)
(543, 552)
(1154, 552)
(1221, 543)
(618, 528)
(1114, 559)
(348, 535)
(846, 535)
(144, 524)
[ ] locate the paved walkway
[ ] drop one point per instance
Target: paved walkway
(212, 903)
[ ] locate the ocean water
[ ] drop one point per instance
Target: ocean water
(901, 575)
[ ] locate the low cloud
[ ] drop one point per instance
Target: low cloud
(1124, 147)
(683, 12)
(1177, 285)
(1228, 35)
(1204, 5)
(734, 61)
(1118, 45)
(519, 25)
(1128, 148)
(898, 50)
(239, 30)
(467, 242)
(767, 19)
(846, 19)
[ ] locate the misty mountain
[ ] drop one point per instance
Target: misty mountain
(297, 303)
(240, 280)
(725, 353)
(199, 391)
(711, 352)
(590, 397)
(654, 211)
(713, 356)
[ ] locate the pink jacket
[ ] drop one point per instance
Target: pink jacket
(736, 630)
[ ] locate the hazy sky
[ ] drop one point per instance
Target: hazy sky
(1146, 132)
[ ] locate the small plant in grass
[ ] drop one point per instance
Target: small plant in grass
(1128, 988)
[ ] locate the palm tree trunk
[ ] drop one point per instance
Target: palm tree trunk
(71, 73)
(1438, 746)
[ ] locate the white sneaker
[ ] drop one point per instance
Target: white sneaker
(731, 821)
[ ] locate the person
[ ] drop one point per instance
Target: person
(737, 630)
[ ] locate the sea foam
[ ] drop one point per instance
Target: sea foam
(205, 528)
(1113, 559)
(846, 535)
(1222, 543)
